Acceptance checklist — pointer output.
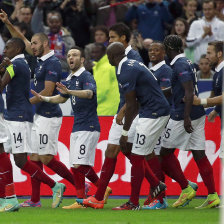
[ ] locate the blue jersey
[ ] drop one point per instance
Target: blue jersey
(135, 76)
(217, 85)
(163, 74)
(85, 110)
(134, 55)
(1, 104)
(48, 69)
(183, 71)
(19, 107)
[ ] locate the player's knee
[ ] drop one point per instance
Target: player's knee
(198, 154)
(112, 151)
(1, 148)
(20, 160)
(165, 152)
(45, 159)
(76, 166)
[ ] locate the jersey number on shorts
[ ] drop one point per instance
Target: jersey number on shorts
(82, 150)
(18, 138)
(140, 139)
(43, 139)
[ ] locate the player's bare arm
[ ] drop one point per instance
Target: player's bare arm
(15, 32)
(47, 91)
(208, 102)
(130, 113)
(8, 74)
(167, 91)
(121, 115)
(87, 94)
(189, 89)
(52, 99)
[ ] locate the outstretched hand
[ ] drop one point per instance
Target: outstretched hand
(62, 88)
(37, 95)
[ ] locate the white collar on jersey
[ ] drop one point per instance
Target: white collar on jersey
(158, 65)
(46, 56)
(128, 48)
(120, 64)
(17, 56)
(77, 73)
(177, 57)
(219, 67)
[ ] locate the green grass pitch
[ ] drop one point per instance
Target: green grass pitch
(47, 215)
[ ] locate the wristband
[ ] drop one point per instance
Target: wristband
(124, 133)
(204, 101)
(46, 99)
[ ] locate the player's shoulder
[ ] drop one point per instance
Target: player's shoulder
(86, 75)
(165, 67)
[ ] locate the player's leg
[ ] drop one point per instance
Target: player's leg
(147, 134)
(48, 145)
(82, 156)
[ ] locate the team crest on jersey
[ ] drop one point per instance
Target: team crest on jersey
(77, 83)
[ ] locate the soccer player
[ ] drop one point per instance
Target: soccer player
(185, 129)
(19, 116)
(215, 57)
(80, 87)
(48, 116)
(163, 74)
(7, 191)
(128, 73)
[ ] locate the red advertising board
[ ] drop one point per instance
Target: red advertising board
(120, 182)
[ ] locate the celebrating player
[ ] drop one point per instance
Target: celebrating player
(19, 117)
(185, 129)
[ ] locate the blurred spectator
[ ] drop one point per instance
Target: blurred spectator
(181, 28)
(21, 13)
(205, 71)
(176, 8)
(101, 35)
(189, 13)
(220, 9)
(76, 19)
(205, 30)
(151, 18)
(111, 15)
(106, 82)
(60, 39)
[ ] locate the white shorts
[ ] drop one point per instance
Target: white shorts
(3, 131)
(147, 134)
(175, 135)
(116, 129)
(158, 145)
(20, 136)
(44, 135)
(83, 147)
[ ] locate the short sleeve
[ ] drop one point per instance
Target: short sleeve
(89, 84)
(126, 83)
(184, 73)
(53, 71)
(165, 78)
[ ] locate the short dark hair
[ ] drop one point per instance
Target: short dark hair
(173, 42)
(121, 29)
(158, 42)
(82, 54)
(19, 43)
(218, 45)
(208, 1)
(101, 45)
(102, 28)
(42, 36)
(203, 56)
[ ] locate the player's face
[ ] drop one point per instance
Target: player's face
(9, 50)
(208, 10)
(204, 65)
(156, 53)
(114, 37)
(100, 36)
(179, 27)
(74, 59)
(37, 46)
(212, 56)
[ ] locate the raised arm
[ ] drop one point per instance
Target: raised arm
(15, 32)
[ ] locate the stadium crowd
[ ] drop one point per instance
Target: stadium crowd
(133, 54)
